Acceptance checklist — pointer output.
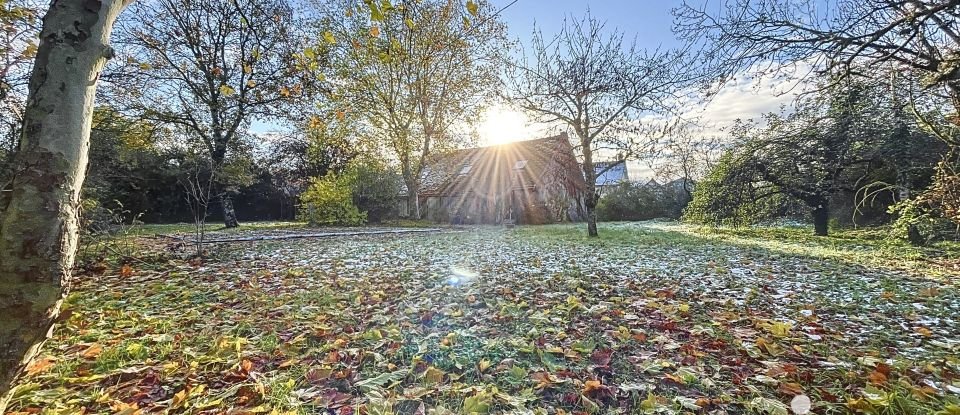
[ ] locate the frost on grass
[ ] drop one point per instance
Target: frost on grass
(535, 320)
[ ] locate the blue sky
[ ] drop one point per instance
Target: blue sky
(649, 20)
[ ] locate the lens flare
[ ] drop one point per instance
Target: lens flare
(460, 276)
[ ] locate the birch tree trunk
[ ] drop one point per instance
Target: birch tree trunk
(38, 230)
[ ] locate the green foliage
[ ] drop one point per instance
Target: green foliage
(329, 201)
(366, 189)
(728, 196)
(375, 188)
(934, 214)
(633, 201)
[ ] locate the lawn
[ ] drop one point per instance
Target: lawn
(651, 318)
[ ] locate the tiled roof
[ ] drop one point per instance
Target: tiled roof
(498, 169)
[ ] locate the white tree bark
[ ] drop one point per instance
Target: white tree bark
(39, 226)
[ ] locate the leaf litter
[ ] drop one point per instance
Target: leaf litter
(528, 320)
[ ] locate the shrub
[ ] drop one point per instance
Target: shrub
(375, 189)
(329, 201)
(934, 214)
(632, 201)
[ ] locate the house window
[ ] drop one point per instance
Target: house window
(519, 164)
(466, 169)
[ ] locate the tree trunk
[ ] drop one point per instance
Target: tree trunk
(590, 177)
(229, 214)
(592, 222)
(413, 200)
(39, 227)
(821, 219)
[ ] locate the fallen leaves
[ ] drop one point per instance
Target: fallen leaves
(547, 325)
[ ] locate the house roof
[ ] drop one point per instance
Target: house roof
(499, 169)
(615, 175)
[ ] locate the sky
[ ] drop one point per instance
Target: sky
(650, 22)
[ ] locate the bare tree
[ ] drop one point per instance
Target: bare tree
(197, 182)
(38, 230)
(19, 30)
(686, 154)
(847, 37)
(614, 96)
(210, 67)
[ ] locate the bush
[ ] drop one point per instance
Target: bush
(375, 189)
(632, 201)
(728, 197)
(934, 214)
(329, 201)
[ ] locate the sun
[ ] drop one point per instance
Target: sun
(501, 124)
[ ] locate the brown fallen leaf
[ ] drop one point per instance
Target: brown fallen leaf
(92, 351)
(41, 365)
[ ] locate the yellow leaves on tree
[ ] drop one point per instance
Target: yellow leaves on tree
(226, 90)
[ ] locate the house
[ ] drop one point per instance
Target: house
(610, 174)
(525, 182)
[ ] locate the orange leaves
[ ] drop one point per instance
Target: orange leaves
(591, 386)
(126, 271)
(92, 351)
(877, 378)
(246, 365)
(120, 408)
(880, 374)
(544, 380)
(41, 365)
(923, 331)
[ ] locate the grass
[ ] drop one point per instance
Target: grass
(649, 318)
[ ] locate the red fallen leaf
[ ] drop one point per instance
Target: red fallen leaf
(827, 396)
(640, 337)
(346, 410)
(790, 389)
(334, 399)
(571, 399)
(126, 270)
(601, 357)
(248, 395)
(884, 368)
(667, 326)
